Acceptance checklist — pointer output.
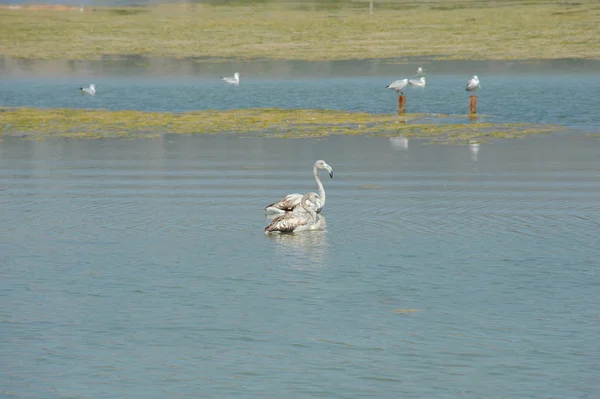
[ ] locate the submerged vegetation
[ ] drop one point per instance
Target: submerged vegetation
(328, 30)
(41, 124)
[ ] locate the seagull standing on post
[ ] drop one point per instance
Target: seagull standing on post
(398, 85)
(473, 84)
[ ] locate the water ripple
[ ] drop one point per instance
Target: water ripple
(128, 270)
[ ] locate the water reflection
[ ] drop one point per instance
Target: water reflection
(399, 143)
(139, 66)
(146, 247)
(303, 246)
(474, 149)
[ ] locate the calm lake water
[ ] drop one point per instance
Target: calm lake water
(139, 268)
(565, 92)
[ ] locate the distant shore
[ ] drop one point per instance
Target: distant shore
(191, 68)
(311, 31)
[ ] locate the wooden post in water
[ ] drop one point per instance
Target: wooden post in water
(401, 104)
(473, 104)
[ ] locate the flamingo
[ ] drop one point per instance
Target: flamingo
(296, 221)
(291, 202)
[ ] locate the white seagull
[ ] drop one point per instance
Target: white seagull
(88, 90)
(473, 84)
(417, 82)
(398, 85)
(292, 222)
(292, 202)
(420, 81)
(235, 80)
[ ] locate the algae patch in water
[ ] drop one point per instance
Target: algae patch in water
(405, 310)
(34, 123)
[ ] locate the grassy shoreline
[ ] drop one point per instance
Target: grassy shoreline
(41, 124)
(439, 29)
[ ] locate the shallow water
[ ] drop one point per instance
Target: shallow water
(565, 92)
(139, 269)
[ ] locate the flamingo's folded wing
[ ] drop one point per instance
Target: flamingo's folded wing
(286, 204)
(287, 223)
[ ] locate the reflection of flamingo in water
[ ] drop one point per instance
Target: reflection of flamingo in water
(308, 249)
(305, 244)
(293, 222)
(291, 202)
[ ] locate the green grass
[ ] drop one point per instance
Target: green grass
(40, 124)
(453, 29)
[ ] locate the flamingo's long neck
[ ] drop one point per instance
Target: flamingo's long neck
(314, 216)
(319, 185)
(312, 212)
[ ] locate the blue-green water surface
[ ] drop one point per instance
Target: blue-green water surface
(564, 92)
(139, 269)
